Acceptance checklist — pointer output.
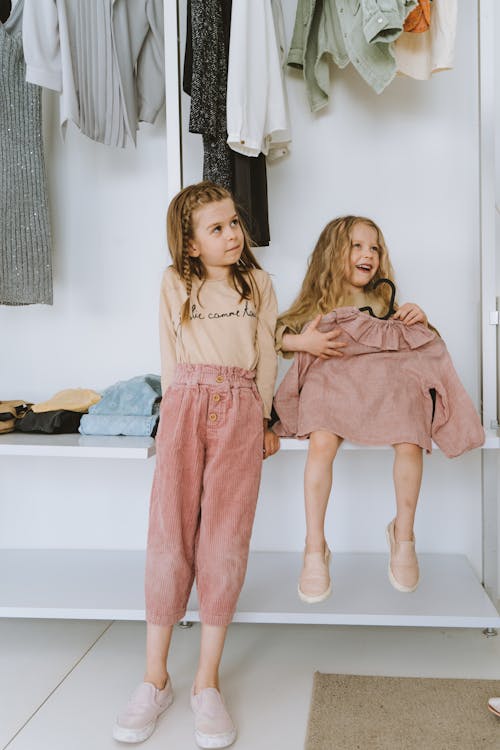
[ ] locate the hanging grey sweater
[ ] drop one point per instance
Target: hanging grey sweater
(25, 242)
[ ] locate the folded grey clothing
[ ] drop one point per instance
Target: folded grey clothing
(118, 424)
(135, 397)
(51, 422)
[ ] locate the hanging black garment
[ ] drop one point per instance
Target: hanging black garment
(250, 191)
(5, 8)
(208, 86)
(249, 172)
(205, 80)
(50, 422)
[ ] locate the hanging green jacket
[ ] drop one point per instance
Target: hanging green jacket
(357, 31)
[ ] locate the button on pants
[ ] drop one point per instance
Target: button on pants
(209, 450)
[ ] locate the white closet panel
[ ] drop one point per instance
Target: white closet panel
(409, 159)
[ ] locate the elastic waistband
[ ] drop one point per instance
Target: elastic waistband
(216, 375)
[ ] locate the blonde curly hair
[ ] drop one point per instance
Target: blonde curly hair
(323, 288)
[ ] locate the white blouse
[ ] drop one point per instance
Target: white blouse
(104, 57)
(257, 108)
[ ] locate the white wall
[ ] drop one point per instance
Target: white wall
(408, 158)
(108, 209)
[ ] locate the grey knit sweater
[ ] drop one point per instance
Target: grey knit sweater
(25, 241)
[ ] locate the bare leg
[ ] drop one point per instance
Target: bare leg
(407, 473)
(212, 644)
(323, 447)
(157, 645)
(212, 722)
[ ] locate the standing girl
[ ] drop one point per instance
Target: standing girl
(367, 380)
(217, 322)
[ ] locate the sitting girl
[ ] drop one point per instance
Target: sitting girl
(369, 380)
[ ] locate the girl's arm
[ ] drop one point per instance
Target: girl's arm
(267, 365)
(410, 313)
(167, 333)
(271, 441)
(317, 343)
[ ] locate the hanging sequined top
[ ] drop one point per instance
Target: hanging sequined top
(25, 239)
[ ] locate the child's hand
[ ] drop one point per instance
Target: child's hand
(271, 443)
(322, 345)
(410, 313)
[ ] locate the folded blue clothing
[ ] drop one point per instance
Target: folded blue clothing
(136, 396)
(117, 424)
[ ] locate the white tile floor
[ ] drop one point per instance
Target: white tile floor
(61, 682)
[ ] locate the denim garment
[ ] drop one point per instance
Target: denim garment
(119, 424)
(134, 397)
(356, 31)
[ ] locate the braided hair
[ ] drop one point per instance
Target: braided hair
(180, 232)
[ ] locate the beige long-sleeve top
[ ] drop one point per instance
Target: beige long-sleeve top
(222, 329)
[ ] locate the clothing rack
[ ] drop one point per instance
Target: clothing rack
(489, 313)
(41, 582)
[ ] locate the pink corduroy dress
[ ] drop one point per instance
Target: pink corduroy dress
(381, 390)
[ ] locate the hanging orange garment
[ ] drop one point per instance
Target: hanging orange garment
(419, 19)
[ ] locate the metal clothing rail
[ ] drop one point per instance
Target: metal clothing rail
(173, 89)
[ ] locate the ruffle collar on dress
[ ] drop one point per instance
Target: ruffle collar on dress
(386, 335)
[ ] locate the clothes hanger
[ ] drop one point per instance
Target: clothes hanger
(391, 310)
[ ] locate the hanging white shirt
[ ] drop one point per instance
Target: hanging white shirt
(420, 55)
(257, 108)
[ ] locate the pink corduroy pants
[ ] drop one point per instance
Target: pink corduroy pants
(209, 451)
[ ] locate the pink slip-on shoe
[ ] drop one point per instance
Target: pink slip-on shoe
(314, 583)
(494, 706)
(137, 721)
(213, 727)
(403, 564)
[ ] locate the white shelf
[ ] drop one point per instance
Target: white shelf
(76, 446)
(492, 442)
(96, 584)
(102, 446)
